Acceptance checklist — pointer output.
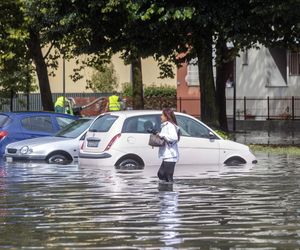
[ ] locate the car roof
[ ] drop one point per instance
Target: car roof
(129, 113)
(20, 113)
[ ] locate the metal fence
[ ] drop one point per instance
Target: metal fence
(270, 108)
(23, 102)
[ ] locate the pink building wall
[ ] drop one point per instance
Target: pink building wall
(188, 97)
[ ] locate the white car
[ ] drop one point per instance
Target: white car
(120, 139)
(62, 148)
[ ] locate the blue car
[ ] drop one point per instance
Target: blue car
(17, 126)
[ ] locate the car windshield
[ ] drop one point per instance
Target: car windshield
(74, 129)
(4, 119)
(103, 123)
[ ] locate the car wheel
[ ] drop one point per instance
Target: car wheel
(235, 161)
(129, 164)
(58, 158)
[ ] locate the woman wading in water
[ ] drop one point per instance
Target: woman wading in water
(169, 151)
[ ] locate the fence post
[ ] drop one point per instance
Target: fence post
(11, 101)
(293, 107)
(179, 104)
(245, 106)
(268, 107)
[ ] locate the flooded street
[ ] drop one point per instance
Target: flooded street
(238, 207)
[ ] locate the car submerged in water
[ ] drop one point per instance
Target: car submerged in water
(120, 139)
(61, 149)
(17, 126)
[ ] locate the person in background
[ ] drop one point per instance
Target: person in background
(114, 103)
(60, 103)
(169, 153)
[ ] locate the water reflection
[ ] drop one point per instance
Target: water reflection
(215, 207)
(168, 216)
(3, 210)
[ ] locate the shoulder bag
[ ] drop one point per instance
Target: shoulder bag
(156, 141)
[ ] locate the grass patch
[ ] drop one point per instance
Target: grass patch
(276, 149)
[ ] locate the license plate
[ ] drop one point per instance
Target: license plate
(9, 159)
(93, 143)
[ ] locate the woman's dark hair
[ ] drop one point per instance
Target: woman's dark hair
(169, 114)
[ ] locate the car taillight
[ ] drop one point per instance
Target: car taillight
(3, 134)
(112, 141)
(82, 145)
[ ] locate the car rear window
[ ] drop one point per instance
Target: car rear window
(141, 124)
(103, 123)
(38, 123)
(4, 120)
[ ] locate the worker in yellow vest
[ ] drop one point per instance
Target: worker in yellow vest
(60, 104)
(114, 103)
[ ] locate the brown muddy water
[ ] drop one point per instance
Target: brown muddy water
(71, 207)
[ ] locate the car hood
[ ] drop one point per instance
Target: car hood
(228, 144)
(38, 141)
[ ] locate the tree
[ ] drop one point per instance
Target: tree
(183, 28)
(36, 20)
(204, 26)
(104, 79)
(15, 69)
(103, 28)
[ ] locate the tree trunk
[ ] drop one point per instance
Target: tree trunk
(209, 112)
(35, 51)
(221, 78)
(137, 84)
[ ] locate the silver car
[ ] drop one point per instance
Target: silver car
(61, 148)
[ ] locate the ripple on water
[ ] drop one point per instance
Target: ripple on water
(212, 207)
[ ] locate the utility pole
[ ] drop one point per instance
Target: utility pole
(64, 82)
(234, 95)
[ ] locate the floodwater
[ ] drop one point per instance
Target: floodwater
(287, 137)
(71, 207)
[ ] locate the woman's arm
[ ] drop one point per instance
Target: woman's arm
(169, 133)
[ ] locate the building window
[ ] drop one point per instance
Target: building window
(294, 63)
(192, 76)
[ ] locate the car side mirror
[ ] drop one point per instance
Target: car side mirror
(211, 135)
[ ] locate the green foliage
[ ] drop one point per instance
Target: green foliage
(276, 149)
(104, 79)
(155, 97)
(160, 91)
(151, 91)
(98, 28)
(127, 89)
(223, 134)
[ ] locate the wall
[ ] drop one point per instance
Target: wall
(150, 73)
(264, 74)
(190, 95)
(261, 77)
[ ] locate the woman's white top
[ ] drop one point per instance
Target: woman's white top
(169, 152)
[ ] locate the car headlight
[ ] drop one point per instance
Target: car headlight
(25, 150)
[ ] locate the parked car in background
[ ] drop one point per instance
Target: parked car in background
(62, 148)
(17, 126)
(121, 138)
